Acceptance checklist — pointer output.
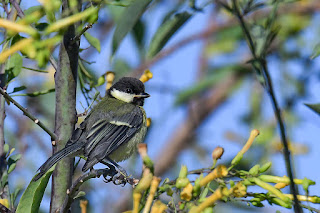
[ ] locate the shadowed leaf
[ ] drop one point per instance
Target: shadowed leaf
(314, 107)
(14, 66)
(166, 31)
(127, 21)
(93, 41)
(32, 196)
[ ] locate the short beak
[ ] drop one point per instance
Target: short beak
(142, 95)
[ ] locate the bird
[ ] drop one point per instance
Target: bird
(111, 130)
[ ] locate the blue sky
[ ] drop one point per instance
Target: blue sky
(178, 71)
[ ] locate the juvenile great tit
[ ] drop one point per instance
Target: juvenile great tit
(112, 129)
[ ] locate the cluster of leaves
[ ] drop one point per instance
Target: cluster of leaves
(9, 162)
(200, 194)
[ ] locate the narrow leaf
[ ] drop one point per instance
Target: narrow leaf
(316, 51)
(314, 107)
(18, 89)
(129, 18)
(14, 66)
(166, 31)
(32, 196)
(35, 94)
(93, 41)
(139, 34)
(11, 167)
(36, 70)
(80, 194)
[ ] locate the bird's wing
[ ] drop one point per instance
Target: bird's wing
(108, 134)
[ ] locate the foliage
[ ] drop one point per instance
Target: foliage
(29, 50)
(200, 193)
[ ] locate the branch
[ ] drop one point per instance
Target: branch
(5, 8)
(71, 192)
(77, 37)
(17, 7)
(65, 111)
(269, 88)
(29, 115)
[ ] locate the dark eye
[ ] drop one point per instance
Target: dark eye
(129, 90)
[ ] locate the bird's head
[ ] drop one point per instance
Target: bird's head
(129, 90)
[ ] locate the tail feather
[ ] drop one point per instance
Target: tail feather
(57, 157)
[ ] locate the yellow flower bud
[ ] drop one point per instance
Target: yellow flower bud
(186, 193)
(217, 153)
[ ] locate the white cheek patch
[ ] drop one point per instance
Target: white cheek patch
(122, 96)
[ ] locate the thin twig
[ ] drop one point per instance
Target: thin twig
(5, 7)
(29, 115)
(310, 208)
(71, 193)
(53, 62)
(18, 8)
(77, 37)
(269, 88)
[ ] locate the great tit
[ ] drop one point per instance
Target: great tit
(112, 129)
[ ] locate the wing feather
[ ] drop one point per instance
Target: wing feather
(106, 135)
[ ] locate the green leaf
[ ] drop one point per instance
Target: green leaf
(101, 80)
(18, 89)
(41, 26)
(80, 194)
(6, 148)
(15, 194)
(314, 107)
(166, 31)
(35, 94)
(139, 34)
(14, 66)
(4, 179)
(32, 196)
(11, 167)
(93, 41)
(315, 52)
(223, 46)
(121, 67)
(30, 10)
(35, 70)
(129, 18)
(15, 158)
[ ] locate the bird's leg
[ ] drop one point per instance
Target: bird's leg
(121, 177)
(111, 172)
(121, 170)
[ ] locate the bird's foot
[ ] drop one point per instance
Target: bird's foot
(117, 176)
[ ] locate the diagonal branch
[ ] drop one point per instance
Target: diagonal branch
(28, 114)
(71, 192)
(17, 7)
